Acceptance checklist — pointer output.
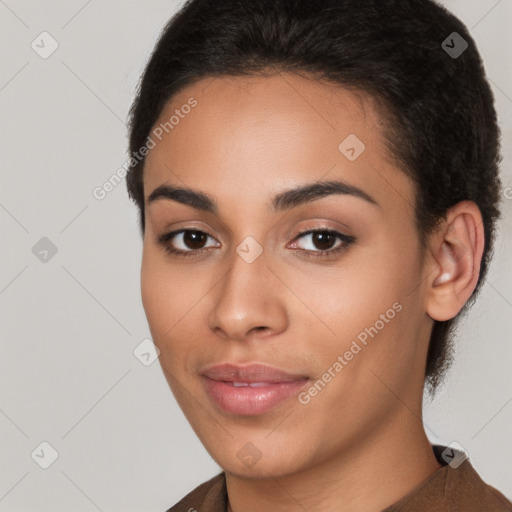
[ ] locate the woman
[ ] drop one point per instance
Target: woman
(317, 185)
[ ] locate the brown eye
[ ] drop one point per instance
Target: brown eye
(194, 239)
(185, 242)
(320, 239)
(322, 242)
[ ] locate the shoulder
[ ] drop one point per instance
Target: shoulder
(210, 496)
(466, 489)
(454, 487)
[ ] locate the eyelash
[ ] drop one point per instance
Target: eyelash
(346, 239)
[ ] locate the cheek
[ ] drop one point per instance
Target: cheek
(363, 308)
(160, 294)
(152, 289)
(347, 298)
(171, 296)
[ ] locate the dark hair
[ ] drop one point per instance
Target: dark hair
(438, 106)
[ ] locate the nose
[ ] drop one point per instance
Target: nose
(249, 301)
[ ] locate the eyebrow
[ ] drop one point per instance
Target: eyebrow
(283, 201)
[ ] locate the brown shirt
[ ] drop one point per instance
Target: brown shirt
(447, 490)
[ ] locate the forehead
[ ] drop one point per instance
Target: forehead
(255, 135)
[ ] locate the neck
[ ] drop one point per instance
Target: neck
(366, 478)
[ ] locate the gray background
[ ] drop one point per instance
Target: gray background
(69, 325)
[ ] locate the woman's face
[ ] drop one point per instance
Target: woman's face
(345, 311)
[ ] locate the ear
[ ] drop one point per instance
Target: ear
(455, 253)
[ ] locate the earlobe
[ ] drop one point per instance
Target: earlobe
(456, 253)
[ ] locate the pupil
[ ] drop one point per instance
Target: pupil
(194, 239)
(323, 241)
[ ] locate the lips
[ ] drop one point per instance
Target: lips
(252, 389)
(255, 373)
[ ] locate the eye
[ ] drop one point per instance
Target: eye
(322, 242)
(319, 242)
(188, 241)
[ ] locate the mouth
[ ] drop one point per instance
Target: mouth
(252, 389)
(250, 384)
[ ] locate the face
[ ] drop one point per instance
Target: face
(325, 285)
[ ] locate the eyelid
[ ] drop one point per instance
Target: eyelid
(165, 238)
(311, 231)
(321, 224)
(346, 240)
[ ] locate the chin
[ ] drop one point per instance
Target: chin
(258, 459)
(259, 471)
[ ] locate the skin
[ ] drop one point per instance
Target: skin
(359, 444)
